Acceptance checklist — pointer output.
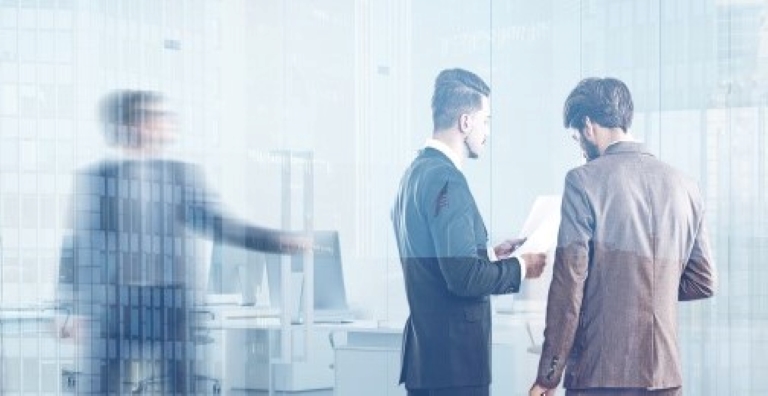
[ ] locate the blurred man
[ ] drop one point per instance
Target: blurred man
(442, 242)
(632, 243)
(130, 271)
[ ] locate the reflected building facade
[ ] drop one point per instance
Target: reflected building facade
(241, 75)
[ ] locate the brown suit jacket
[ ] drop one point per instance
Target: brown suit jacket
(632, 242)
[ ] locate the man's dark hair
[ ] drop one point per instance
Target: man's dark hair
(123, 109)
(606, 101)
(457, 92)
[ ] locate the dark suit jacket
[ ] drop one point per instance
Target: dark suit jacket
(632, 242)
(131, 221)
(448, 277)
(131, 263)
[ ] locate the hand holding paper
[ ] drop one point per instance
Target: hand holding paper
(534, 264)
(506, 248)
(538, 238)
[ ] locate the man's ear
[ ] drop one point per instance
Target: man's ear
(465, 123)
(589, 128)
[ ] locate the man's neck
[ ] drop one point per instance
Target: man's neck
(453, 143)
(615, 135)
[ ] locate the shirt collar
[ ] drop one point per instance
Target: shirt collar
(618, 141)
(443, 148)
(626, 147)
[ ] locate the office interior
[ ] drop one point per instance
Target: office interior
(303, 114)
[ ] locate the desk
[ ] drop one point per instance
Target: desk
(244, 354)
(350, 359)
(31, 356)
(369, 363)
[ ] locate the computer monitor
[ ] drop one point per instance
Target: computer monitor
(330, 295)
(235, 274)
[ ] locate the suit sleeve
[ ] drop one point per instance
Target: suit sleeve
(699, 276)
(465, 266)
(205, 215)
(567, 288)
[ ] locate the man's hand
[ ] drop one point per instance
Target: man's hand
(534, 264)
(72, 328)
(538, 390)
(506, 248)
(294, 243)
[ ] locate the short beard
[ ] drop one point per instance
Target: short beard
(471, 154)
(590, 151)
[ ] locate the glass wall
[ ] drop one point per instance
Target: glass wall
(305, 114)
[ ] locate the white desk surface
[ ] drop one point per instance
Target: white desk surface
(233, 317)
(10, 313)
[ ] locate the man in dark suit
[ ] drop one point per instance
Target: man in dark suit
(442, 243)
(632, 243)
(129, 272)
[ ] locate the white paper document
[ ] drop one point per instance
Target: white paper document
(541, 225)
(540, 228)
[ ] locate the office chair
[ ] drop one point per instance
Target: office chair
(201, 336)
(534, 348)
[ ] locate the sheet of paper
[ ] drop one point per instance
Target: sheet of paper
(541, 225)
(540, 228)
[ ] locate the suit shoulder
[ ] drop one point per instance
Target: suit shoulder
(679, 176)
(184, 172)
(576, 175)
(101, 168)
(437, 171)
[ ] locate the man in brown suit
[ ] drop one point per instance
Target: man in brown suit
(632, 243)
